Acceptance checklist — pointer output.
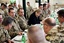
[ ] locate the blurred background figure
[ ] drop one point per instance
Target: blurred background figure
(21, 19)
(36, 35)
(29, 10)
(4, 35)
(46, 12)
(35, 18)
(16, 30)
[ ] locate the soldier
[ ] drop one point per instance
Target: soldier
(61, 25)
(57, 33)
(4, 36)
(21, 19)
(3, 10)
(29, 10)
(48, 25)
(46, 12)
(41, 8)
(15, 28)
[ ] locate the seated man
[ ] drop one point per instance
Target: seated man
(21, 19)
(36, 35)
(4, 36)
(48, 24)
(16, 30)
(61, 25)
(61, 17)
(35, 18)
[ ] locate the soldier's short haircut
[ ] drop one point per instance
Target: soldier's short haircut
(44, 5)
(19, 9)
(61, 13)
(3, 4)
(28, 2)
(49, 22)
(10, 5)
(40, 5)
(7, 21)
(10, 9)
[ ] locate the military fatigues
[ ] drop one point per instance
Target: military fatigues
(41, 15)
(15, 28)
(4, 35)
(22, 22)
(45, 13)
(29, 11)
(52, 35)
(57, 35)
(61, 33)
(2, 12)
(6, 12)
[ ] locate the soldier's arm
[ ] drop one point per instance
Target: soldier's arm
(1, 32)
(31, 9)
(22, 24)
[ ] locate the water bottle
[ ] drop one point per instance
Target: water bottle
(23, 40)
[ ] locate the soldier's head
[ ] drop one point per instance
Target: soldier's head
(61, 15)
(11, 12)
(48, 24)
(37, 12)
(7, 22)
(36, 34)
(44, 6)
(15, 4)
(21, 11)
(19, 6)
(41, 6)
(28, 3)
(48, 5)
(3, 6)
(10, 6)
(1, 18)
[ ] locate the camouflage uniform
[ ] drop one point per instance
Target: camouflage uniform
(61, 32)
(52, 35)
(22, 22)
(41, 15)
(29, 11)
(45, 13)
(57, 35)
(6, 12)
(2, 12)
(15, 28)
(4, 35)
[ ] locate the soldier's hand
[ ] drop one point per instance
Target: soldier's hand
(12, 42)
(19, 33)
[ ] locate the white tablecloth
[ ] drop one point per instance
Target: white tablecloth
(18, 38)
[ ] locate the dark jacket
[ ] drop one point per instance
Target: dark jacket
(33, 19)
